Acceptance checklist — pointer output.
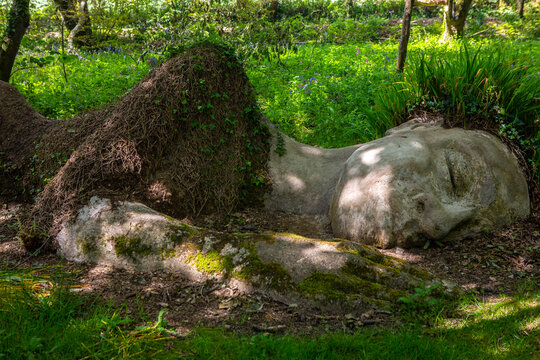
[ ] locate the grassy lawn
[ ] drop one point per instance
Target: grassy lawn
(43, 317)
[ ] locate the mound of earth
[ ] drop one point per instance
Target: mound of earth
(21, 127)
(185, 140)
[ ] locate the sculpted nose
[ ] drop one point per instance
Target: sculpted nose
(437, 219)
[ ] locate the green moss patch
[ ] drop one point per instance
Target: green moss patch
(181, 232)
(346, 287)
(130, 247)
(88, 246)
(271, 275)
(211, 262)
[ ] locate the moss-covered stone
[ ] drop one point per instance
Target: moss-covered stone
(271, 275)
(88, 246)
(335, 274)
(211, 262)
(346, 287)
(130, 247)
(422, 274)
(181, 232)
(369, 270)
(247, 267)
(361, 250)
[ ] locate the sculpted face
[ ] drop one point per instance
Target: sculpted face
(422, 183)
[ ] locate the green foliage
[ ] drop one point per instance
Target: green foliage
(322, 94)
(93, 83)
(422, 303)
(481, 88)
(280, 146)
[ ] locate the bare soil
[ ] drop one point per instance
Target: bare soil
(490, 265)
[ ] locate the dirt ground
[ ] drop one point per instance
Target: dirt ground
(490, 265)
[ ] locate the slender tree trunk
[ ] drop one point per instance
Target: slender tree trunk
(76, 17)
(17, 23)
(405, 34)
(76, 31)
(448, 21)
(454, 25)
(520, 5)
(462, 17)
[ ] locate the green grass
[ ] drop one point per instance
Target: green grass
(42, 319)
(321, 93)
(91, 83)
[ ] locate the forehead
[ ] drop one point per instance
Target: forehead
(400, 150)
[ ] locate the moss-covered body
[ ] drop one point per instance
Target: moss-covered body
(335, 274)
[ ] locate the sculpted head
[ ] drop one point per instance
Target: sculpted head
(423, 182)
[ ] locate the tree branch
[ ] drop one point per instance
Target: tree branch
(430, 2)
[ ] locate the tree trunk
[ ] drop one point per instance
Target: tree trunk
(430, 2)
(520, 5)
(454, 25)
(448, 21)
(17, 23)
(77, 20)
(405, 33)
(79, 29)
(274, 9)
(462, 17)
(68, 12)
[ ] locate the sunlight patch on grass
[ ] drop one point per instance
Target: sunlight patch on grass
(41, 319)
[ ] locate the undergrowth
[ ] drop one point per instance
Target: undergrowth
(100, 79)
